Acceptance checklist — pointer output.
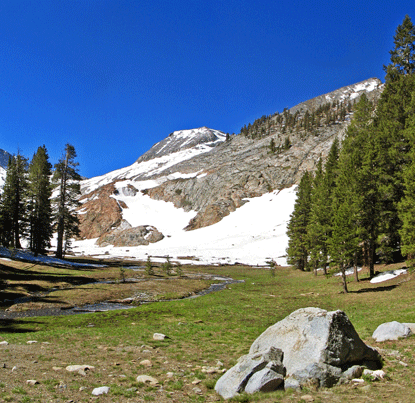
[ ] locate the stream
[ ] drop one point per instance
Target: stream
(106, 305)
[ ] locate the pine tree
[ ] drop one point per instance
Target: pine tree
(13, 207)
(320, 225)
(406, 208)
(39, 203)
(316, 228)
(297, 251)
(392, 147)
(67, 177)
(403, 56)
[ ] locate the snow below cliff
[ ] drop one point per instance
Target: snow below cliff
(253, 234)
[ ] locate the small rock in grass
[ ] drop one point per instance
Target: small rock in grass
(146, 363)
(4, 343)
(31, 342)
(147, 379)
(80, 369)
(196, 382)
(197, 390)
(170, 374)
(159, 336)
(403, 363)
(307, 398)
(101, 390)
(376, 375)
(32, 382)
(358, 380)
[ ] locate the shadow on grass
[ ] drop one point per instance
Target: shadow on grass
(15, 274)
(15, 326)
(376, 289)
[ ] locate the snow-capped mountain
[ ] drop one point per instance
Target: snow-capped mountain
(156, 165)
(184, 139)
(201, 196)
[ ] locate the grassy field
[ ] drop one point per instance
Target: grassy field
(206, 335)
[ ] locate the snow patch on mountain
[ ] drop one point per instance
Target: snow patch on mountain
(157, 170)
(253, 234)
(2, 178)
(183, 139)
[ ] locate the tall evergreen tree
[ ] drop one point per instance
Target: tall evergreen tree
(320, 224)
(13, 206)
(403, 55)
(392, 147)
(298, 248)
(67, 177)
(407, 205)
(39, 203)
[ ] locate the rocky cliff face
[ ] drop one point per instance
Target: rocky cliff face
(204, 171)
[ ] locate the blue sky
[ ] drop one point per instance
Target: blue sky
(113, 77)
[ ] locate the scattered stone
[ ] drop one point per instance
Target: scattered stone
(159, 336)
(291, 383)
(391, 331)
(355, 371)
(379, 374)
(170, 374)
(80, 369)
(4, 343)
(146, 363)
(101, 390)
(31, 342)
(307, 398)
(32, 382)
(196, 382)
(358, 380)
(14, 368)
(82, 388)
(147, 379)
(197, 390)
(219, 364)
(376, 375)
(404, 364)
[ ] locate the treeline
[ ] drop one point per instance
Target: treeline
(360, 207)
(38, 201)
(307, 123)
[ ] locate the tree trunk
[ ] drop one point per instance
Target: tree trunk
(343, 270)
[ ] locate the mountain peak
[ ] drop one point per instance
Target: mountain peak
(183, 139)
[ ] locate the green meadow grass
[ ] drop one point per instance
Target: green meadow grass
(219, 326)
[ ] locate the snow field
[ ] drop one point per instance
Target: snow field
(253, 234)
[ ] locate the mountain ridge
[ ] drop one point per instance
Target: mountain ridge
(201, 171)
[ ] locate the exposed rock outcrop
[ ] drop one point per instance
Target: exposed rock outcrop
(99, 212)
(141, 235)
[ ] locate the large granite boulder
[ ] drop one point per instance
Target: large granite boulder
(318, 347)
(391, 331)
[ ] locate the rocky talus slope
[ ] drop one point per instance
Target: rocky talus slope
(205, 171)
